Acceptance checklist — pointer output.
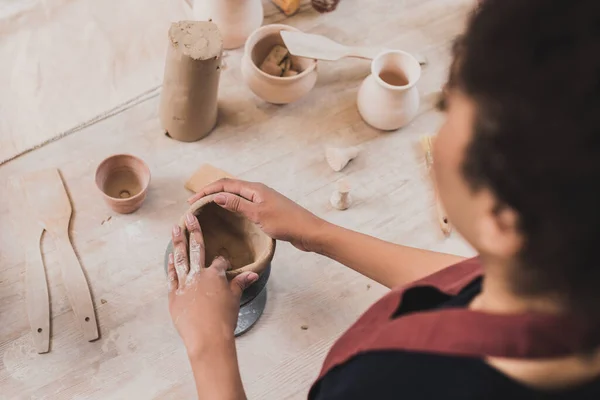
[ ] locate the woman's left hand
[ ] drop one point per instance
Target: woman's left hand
(204, 306)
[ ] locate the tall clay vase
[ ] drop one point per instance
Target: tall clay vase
(388, 99)
(236, 19)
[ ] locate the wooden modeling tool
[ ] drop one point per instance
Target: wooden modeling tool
(29, 233)
(319, 47)
(427, 144)
(205, 175)
(50, 207)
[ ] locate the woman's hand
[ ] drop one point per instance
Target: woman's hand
(204, 306)
(278, 216)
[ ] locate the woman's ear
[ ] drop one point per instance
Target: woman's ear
(499, 230)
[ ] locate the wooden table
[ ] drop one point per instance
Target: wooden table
(139, 355)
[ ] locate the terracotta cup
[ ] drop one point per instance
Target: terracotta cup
(275, 89)
(231, 236)
(388, 99)
(123, 180)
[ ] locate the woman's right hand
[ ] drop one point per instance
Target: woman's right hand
(278, 216)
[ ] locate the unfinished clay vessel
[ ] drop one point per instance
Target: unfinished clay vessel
(231, 236)
(275, 89)
(388, 99)
(236, 19)
(123, 180)
(188, 105)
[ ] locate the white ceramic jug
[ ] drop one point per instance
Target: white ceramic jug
(236, 19)
(388, 99)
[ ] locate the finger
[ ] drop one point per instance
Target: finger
(221, 265)
(197, 248)
(237, 204)
(172, 274)
(242, 282)
(247, 190)
(180, 254)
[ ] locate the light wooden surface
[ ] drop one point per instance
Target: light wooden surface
(139, 355)
(109, 52)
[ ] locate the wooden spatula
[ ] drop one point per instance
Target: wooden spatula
(50, 206)
(29, 232)
(322, 48)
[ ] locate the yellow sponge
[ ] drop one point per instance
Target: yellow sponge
(288, 7)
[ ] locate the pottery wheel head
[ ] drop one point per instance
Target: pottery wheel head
(231, 236)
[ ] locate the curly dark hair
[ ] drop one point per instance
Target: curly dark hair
(532, 69)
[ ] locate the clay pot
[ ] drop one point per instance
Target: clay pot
(275, 89)
(388, 99)
(236, 19)
(123, 180)
(231, 236)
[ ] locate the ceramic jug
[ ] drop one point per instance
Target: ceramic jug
(388, 99)
(236, 19)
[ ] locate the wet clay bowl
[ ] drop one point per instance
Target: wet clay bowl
(123, 180)
(231, 236)
(275, 89)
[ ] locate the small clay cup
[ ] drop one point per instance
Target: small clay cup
(231, 236)
(275, 89)
(123, 180)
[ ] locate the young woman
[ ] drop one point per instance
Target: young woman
(518, 169)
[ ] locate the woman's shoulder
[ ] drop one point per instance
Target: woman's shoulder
(416, 375)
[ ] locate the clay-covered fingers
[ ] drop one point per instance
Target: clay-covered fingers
(182, 265)
(197, 248)
(220, 265)
(172, 274)
(241, 282)
(247, 190)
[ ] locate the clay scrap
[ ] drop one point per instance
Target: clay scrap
(279, 62)
(338, 158)
(188, 107)
(325, 6)
(340, 198)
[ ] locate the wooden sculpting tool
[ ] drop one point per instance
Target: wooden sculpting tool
(29, 233)
(427, 144)
(49, 205)
(319, 47)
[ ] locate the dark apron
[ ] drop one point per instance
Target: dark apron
(456, 331)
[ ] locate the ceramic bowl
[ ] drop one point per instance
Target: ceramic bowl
(123, 180)
(275, 89)
(231, 236)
